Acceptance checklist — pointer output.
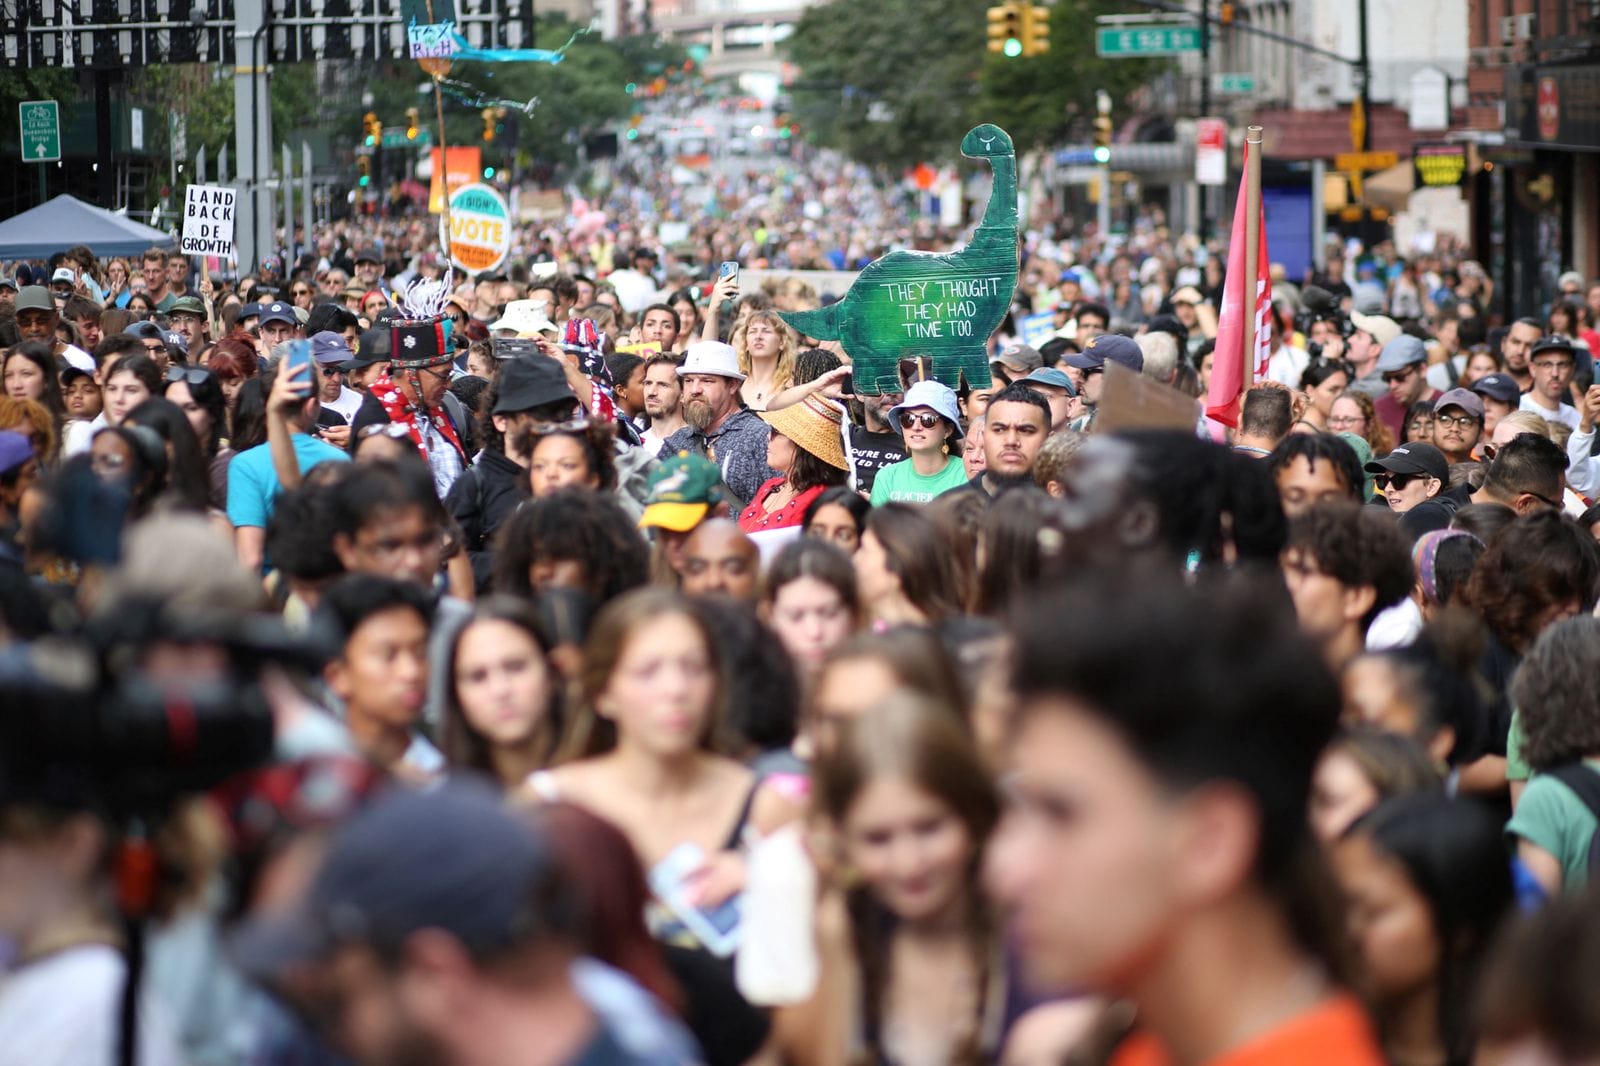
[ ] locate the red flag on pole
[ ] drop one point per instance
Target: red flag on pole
(1228, 380)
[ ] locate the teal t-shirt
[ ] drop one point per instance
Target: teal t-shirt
(900, 482)
(1551, 816)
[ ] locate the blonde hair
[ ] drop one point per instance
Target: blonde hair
(1527, 422)
(788, 346)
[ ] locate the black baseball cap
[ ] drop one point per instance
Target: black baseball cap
(530, 381)
(452, 858)
(373, 347)
(1413, 458)
(1108, 348)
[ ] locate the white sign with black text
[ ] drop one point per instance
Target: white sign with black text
(208, 213)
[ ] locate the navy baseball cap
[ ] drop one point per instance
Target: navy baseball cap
(250, 310)
(452, 858)
(278, 311)
(330, 347)
(1107, 348)
(146, 331)
(1501, 387)
(15, 449)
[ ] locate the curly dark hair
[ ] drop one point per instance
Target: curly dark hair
(1356, 546)
(1323, 448)
(577, 525)
(1553, 691)
(597, 439)
(1542, 560)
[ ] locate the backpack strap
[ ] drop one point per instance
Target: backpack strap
(1583, 781)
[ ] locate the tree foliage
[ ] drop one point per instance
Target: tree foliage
(1048, 99)
(927, 68)
(888, 82)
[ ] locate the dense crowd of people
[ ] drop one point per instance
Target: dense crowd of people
(609, 676)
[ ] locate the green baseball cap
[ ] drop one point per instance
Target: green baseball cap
(683, 489)
(187, 305)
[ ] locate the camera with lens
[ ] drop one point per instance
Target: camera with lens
(1319, 305)
(87, 723)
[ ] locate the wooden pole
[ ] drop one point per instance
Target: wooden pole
(436, 69)
(1252, 246)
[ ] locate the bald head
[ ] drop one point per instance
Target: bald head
(718, 559)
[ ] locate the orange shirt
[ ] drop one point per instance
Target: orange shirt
(1336, 1033)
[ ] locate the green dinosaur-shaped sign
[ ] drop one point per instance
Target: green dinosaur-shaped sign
(920, 303)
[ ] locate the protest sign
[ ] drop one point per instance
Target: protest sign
(452, 169)
(208, 212)
(1130, 400)
(480, 228)
(920, 303)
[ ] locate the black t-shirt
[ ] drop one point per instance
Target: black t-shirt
(873, 452)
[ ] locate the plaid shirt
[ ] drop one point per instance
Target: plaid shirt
(738, 447)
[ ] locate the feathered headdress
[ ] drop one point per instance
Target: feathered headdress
(421, 337)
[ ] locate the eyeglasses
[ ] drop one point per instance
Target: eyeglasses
(392, 430)
(1399, 481)
(1455, 420)
(299, 292)
(1346, 420)
(925, 419)
(1552, 364)
(193, 375)
(459, 320)
(1398, 375)
(330, 371)
(156, 348)
(1547, 501)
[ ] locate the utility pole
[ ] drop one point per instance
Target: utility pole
(1102, 103)
(1364, 82)
(1205, 108)
(252, 124)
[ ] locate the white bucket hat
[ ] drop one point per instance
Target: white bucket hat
(524, 317)
(934, 395)
(711, 357)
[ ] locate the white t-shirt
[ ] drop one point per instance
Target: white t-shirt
(347, 404)
(64, 1008)
(1566, 414)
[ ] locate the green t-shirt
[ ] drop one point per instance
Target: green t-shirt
(900, 482)
(1551, 816)
(1516, 766)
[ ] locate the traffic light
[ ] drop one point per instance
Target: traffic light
(1005, 29)
(1226, 12)
(1035, 30)
(411, 124)
(1102, 139)
(373, 128)
(488, 124)
(363, 171)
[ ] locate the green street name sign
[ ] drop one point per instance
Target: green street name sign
(41, 130)
(1237, 84)
(397, 138)
(1140, 41)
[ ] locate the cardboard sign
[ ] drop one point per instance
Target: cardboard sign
(1132, 401)
(943, 306)
(480, 228)
(1036, 329)
(208, 212)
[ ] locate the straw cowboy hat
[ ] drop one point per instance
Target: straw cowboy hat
(814, 424)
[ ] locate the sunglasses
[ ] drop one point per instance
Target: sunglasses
(572, 425)
(1399, 481)
(384, 429)
(193, 375)
(156, 348)
(1398, 375)
(919, 418)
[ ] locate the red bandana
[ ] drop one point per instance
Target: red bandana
(402, 412)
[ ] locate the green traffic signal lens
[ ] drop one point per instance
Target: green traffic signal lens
(1013, 47)
(1102, 154)
(633, 135)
